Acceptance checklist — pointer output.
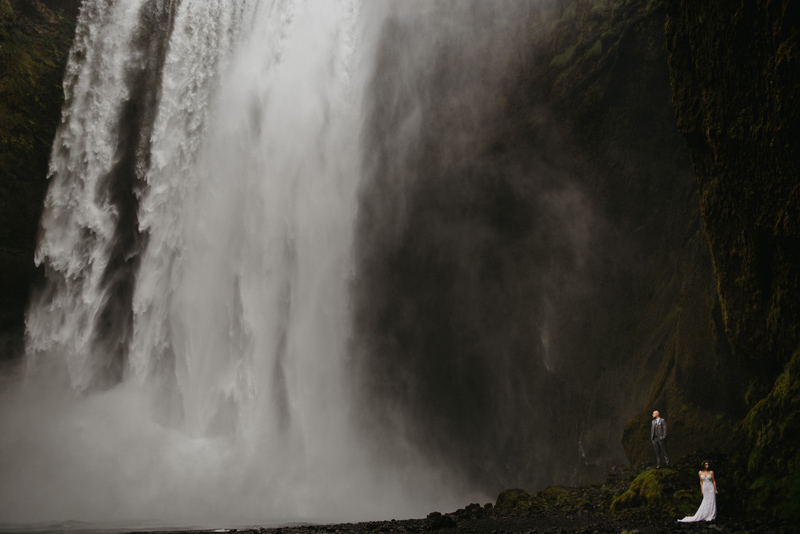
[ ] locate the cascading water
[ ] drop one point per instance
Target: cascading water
(186, 361)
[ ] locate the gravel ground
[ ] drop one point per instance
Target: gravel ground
(532, 524)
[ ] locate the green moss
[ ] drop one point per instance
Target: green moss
(647, 489)
(770, 467)
(684, 503)
(600, 10)
(611, 34)
(582, 504)
(512, 499)
(596, 49)
(565, 57)
(654, 4)
(554, 493)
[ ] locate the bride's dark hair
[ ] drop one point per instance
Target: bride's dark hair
(703, 465)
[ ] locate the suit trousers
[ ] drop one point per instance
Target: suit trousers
(660, 446)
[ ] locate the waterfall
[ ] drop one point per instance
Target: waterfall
(187, 357)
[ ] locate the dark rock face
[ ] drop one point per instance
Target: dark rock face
(735, 77)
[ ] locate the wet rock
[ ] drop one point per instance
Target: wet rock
(437, 521)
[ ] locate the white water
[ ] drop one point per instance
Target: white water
(235, 404)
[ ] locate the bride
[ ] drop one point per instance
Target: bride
(708, 486)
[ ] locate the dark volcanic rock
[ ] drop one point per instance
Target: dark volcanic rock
(437, 521)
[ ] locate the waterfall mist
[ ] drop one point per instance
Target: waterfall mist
(486, 263)
(186, 360)
(326, 260)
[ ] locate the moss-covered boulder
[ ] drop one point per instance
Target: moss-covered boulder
(553, 498)
(512, 499)
(658, 492)
(647, 489)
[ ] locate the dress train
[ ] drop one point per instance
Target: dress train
(708, 508)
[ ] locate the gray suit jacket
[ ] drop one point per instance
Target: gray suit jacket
(658, 429)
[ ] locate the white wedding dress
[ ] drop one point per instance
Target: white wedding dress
(708, 508)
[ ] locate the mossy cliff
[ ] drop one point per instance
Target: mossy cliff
(768, 460)
(34, 42)
(736, 77)
(735, 74)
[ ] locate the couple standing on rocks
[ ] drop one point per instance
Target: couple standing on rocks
(708, 484)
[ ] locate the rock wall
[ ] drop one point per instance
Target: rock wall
(673, 353)
(736, 80)
(734, 71)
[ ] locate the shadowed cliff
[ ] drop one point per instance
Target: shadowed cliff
(735, 77)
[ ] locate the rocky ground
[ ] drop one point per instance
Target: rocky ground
(642, 500)
(542, 524)
(537, 523)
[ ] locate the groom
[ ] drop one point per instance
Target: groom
(658, 435)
